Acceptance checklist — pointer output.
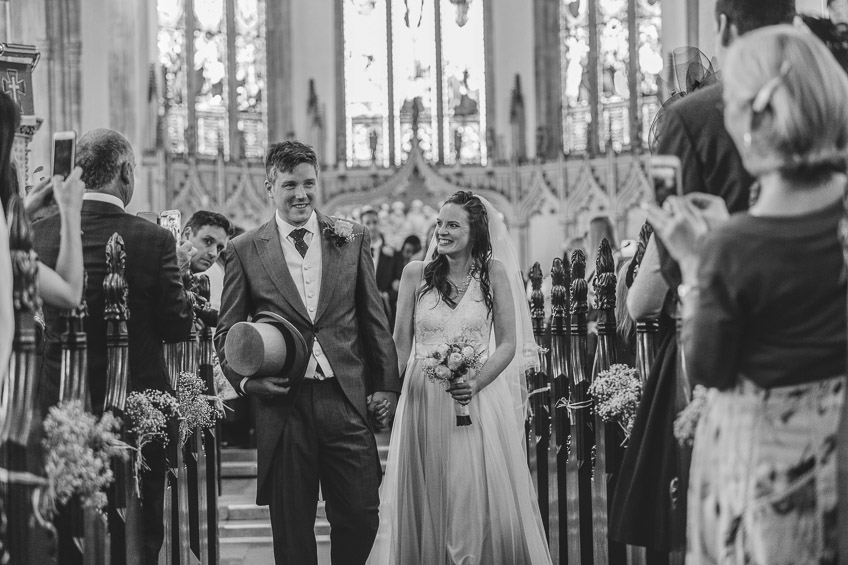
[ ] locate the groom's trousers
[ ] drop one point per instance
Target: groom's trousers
(326, 440)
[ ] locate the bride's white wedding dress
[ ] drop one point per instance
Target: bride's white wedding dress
(456, 495)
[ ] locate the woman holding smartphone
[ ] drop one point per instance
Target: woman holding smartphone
(764, 312)
(62, 287)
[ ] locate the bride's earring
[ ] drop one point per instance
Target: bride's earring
(746, 140)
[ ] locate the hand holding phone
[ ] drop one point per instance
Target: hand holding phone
(666, 177)
(64, 153)
(68, 192)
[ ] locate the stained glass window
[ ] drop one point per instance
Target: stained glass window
(614, 57)
(207, 84)
(574, 41)
(649, 26)
(210, 70)
(250, 75)
(415, 76)
(171, 44)
(400, 61)
(463, 86)
(366, 83)
(614, 64)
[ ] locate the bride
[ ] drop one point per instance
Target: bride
(462, 494)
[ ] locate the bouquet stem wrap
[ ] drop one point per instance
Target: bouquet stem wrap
(463, 413)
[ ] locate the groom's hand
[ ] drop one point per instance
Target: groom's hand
(382, 407)
(267, 386)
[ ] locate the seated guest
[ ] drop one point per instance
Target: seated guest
(387, 261)
(764, 311)
(159, 307)
(208, 233)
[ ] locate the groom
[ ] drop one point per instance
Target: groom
(318, 274)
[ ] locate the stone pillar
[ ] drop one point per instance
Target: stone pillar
(548, 76)
(279, 69)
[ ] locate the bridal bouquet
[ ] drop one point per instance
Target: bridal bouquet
(449, 363)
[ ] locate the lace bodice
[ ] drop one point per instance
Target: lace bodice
(436, 323)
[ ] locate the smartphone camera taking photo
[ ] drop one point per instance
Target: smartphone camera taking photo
(64, 152)
(666, 176)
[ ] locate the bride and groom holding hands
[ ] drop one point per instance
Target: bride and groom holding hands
(451, 494)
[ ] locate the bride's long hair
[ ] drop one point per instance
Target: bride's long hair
(436, 272)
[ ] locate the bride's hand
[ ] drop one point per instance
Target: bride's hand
(465, 390)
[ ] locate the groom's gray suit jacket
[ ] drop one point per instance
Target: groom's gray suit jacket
(349, 322)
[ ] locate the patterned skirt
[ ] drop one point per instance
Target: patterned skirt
(763, 481)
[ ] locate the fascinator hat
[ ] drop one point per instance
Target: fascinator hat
(688, 71)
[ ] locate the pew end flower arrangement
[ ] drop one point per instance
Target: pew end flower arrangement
(616, 393)
(147, 413)
(79, 450)
(198, 410)
(450, 363)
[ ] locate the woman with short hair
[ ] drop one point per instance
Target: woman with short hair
(764, 311)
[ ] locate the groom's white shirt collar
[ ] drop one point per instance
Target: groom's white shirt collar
(286, 228)
(103, 197)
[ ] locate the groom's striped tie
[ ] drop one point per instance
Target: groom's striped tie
(299, 244)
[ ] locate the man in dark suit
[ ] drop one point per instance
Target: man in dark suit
(317, 273)
(158, 305)
(693, 128)
(388, 263)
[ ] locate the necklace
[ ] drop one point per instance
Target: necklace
(460, 289)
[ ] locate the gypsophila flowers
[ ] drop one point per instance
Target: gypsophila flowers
(687, 420)
(195, 409)
(79, 450)
(616, 393)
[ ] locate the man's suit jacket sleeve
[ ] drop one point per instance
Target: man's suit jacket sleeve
(235, 308)
(676, 139)
(173, 312)
(381, 356)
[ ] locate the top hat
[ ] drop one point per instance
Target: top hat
(268, 346)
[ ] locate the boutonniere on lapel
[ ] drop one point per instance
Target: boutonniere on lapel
(340, 232)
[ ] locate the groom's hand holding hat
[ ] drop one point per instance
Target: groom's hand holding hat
(269, 352)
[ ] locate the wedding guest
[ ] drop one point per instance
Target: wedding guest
(61, 287)
(158, 305)
(388, 264)
(764, 311)
(410, 248)
(7, 314)
(208, 234)
(693, 128)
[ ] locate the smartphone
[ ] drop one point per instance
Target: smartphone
(149, 216)
(64, 152)
(171, 220)
(666, 176)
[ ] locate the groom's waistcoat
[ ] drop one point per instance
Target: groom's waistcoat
(349, 320)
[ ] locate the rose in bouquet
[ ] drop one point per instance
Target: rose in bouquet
(616, 393)
(450, 363)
